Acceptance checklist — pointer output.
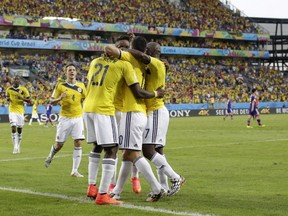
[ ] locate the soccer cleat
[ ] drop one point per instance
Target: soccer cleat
(92, 191)
(15, 151)
(111, 187)
(105, 199)
(262, 125)
(76, 174)
(48, 162)
(115, 196)
(176, 185)
(136, 185)
(248, 126)
(155, 197)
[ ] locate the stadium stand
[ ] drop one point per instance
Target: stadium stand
(191, 79)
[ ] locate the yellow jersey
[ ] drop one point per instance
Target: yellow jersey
(17, 105)
(130, 103)
(71, 105)
(34, 108)
(155, 77)
(105, 75)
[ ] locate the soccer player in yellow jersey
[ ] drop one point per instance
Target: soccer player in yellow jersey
(132, 125)
(154, 137)
(35, 114)
(17, 95)
(123, 42)
(104, 77)
(70, 94)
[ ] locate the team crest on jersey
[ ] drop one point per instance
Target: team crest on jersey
(79, 90)
(20, 91)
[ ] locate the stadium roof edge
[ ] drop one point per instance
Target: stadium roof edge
(269, 20)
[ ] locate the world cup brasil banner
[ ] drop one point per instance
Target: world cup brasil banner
(80, 45)
(124, 28)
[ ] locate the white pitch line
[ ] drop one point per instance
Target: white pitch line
(35, 158)
(85, 200)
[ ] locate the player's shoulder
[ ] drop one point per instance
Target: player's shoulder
(157, 61)
(80, 84)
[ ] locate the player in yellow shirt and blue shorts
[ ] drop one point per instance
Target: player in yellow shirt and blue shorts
(17, 95)
(70, 94)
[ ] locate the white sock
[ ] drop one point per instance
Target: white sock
(14, 140)
(30, 122)
(144, 167)
(161, 164)
(39, 121)
(135, 172)
(53, 151)
(163, 180)
(93, 167)
(114, 177)
(108, 167)
(124, 173)
(77, 155)
(19, 135)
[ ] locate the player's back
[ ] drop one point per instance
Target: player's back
(155, 77)
(130, 103)
(104, 76)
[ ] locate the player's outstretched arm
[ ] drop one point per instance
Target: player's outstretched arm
(142, 57)
(138, 92)
(112, 51)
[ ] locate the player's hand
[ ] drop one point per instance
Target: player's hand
(19, 97)
(160, 92)
(166, 63)
(63, 95)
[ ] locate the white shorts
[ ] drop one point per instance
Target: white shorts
(101, 129)
(70, 126)
(118, 116)
(132, 125)
(16, 119)
(156, 128)
(35, 116)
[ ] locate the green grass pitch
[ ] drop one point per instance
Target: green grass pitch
(230, 171)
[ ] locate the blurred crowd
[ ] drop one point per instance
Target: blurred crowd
(210, 80)
(188, 14)
(189, 80)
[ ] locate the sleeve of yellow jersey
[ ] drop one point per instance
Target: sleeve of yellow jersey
(129, 74)
(8, 92)
(84, 93)
(26, 93)
(155, 64)
(56, 92)
(126, 56)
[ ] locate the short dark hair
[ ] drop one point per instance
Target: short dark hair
(139, 43)
(69, 64)
(123, 37)
(254, 90)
